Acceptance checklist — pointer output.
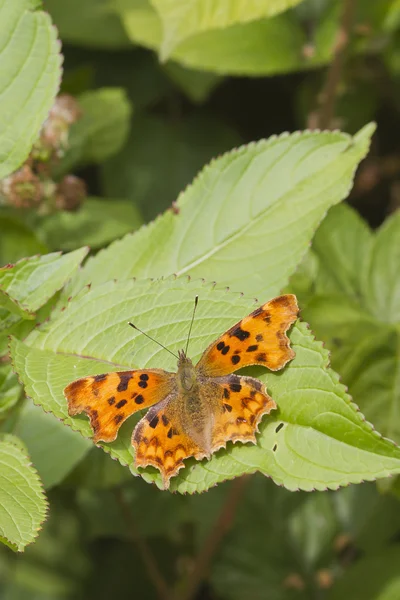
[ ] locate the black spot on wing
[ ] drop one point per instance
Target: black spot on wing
(165, 420)
(240, 333)
(154, 422)
(142, 384)
(144, 377)
(257, 312)
(228, 407)
(235, 387)
(220, 345)
(111, 400)
(225, 350)
(139, 399)
(100, 377)
(124, 377)
(261, 357)
(121, 403)
(235, 359)
(227, 394)
(259, 337)
(118, 419)
(252, 348)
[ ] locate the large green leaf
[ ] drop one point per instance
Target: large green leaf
(184, 18)
(22, 501)
(316, 440)
(29, 78)
(31, 282)
(264, 47)
(246, 220)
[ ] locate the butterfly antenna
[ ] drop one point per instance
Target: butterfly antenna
(151, 338)
(191, 323)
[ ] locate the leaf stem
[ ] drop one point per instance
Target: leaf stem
(327, 97)
(219, 529)
(147, 556)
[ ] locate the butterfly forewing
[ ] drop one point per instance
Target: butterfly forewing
(258, 339)
(111, 398)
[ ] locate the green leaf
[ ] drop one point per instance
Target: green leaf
(30, 283)
(184, 18)
(89, 23)
(53, 448)
(251, 222)
(29, 79)
(262, 47)
(17, 240)
(371, 578)
(96, 223)
(22, 501)
(316, 440)
(161, 157)
(381, 290)
(10, 389)
(102, 129)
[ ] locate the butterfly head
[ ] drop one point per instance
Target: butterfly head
(186, 372)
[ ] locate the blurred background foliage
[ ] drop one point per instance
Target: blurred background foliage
(152, 90)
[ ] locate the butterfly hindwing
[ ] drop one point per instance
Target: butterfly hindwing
(111, 398)
(260, 338)
(160, 441)
(244, 401)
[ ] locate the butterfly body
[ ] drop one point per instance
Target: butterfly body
(201, 407)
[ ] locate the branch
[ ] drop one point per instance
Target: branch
(143, 549)
(219, 529)
(323, 117)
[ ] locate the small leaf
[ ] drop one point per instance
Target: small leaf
(102, 129)
(22, 501)
(316, 440)
(30, 283)
(10, 389)
(252, 213)
(29, 79)
(182, 19)
(96, 223)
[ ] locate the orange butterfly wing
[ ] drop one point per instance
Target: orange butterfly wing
(160, 440)
(111, 398)
(244, 402)
(258, 339)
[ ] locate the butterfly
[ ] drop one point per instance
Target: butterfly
(198, 409)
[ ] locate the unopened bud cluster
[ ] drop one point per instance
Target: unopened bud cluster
(32, 186)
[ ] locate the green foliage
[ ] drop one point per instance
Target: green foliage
(22, 501)
(156, 95)
(29, 78)
(354, 308)
(181, 20)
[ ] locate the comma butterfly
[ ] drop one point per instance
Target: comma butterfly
(197, 410)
